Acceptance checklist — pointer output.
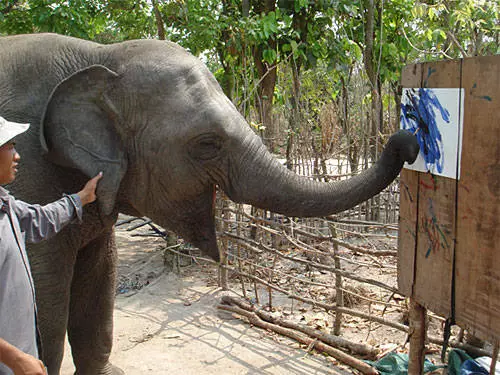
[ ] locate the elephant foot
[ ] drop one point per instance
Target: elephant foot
(108, 369)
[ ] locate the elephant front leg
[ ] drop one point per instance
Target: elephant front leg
(90, 322)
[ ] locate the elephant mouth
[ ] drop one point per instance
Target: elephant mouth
(198, 227)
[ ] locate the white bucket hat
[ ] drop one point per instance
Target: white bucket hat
(9, 130)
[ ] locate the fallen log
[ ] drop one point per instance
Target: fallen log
(345, 358)
(364, 350)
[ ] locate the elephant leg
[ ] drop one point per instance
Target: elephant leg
(90, 321)
(52, 266)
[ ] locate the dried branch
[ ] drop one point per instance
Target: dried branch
(303, 339)
(333, 340)
(346, 274)
(329, 307)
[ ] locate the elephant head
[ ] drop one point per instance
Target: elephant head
(155, 120)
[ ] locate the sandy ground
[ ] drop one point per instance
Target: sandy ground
(172, 326)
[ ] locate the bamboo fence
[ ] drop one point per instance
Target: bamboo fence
(342, 267)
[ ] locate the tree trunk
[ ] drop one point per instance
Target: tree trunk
(352, 142)
(373, 76)
(295, 118)
(267, 80)
(159, 21)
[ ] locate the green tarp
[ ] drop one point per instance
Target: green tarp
(397, 364)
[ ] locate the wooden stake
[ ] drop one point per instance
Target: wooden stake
(418, 332)
(339, 295)
(494, 358)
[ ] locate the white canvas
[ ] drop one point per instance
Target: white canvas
(436, 116)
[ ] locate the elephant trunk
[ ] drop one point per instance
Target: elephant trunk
(269, 185)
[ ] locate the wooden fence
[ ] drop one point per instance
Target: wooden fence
(315, 279)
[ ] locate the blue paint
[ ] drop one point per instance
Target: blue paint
(485, 97)
(419, 116)
(437, 235)
(429, 73)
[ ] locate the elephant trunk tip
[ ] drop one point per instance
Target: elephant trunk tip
(405, 145)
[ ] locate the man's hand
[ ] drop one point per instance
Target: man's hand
(87, 194)
(19, 362)
(26, 364)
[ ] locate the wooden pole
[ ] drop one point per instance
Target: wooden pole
(223, 277)
(418, 332)
(494, 358)
(339, 295)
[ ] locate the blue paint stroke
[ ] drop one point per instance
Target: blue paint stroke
(485, 97)
(430, 71)
(435, 232)
(418, 115)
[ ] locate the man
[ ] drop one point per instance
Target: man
(20, 221)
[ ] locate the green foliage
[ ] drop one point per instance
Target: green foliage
(459, 28)
(127, 19)
(79, 18)
(324, 40)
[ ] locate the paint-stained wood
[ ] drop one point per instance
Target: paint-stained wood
(410, 77)
(407, 230)
(432, 213)
(435, 243)
(478, 243)
(446, 223)
(436, 215)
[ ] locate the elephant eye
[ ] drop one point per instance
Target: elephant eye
(206, 147)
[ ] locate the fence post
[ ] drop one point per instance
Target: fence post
(224, 249)
(239, 209)
(339, 294)
(418, 332)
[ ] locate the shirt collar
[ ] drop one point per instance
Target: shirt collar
(4, 199)
(4, 193)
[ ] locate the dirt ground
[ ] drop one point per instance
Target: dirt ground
(168, 323)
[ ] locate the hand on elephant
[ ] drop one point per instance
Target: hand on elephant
(20, 362)
(87, 194)
(28, 365)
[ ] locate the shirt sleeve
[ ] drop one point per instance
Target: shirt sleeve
(42, 222)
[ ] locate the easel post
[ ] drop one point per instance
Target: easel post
(418, 333)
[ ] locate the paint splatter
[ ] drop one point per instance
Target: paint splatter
(430, 186)
(418, 115)
(430, 71)
(485, 97)
(435, 233)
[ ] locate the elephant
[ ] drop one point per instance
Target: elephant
(152, 117)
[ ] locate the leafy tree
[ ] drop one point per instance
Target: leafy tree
(79, 18)
(298, 55)
(457, 28)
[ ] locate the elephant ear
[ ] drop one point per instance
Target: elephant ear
(78, 130)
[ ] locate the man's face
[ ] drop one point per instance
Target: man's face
(9, 159)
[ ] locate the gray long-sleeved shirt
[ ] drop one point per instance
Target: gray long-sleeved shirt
(20, 222)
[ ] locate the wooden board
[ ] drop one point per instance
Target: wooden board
(478, 243)
(436, 215)
(449, 241)
(429, 253)
(410, 77)
(407, 231)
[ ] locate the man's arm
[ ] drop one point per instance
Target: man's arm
(42, 222)
(18, 361)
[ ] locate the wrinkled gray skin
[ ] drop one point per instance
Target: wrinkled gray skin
(153, 118)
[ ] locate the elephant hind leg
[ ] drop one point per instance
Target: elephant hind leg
(90, 323)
